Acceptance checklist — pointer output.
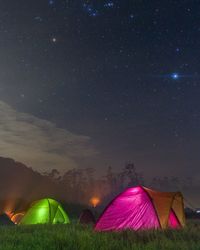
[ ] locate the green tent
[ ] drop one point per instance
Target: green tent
(45, 211)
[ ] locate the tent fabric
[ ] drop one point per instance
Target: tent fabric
(142, 208)
(5, 220)
(86, 217)
(164, 202)
(16, 218)
(45, 211)
(173, 221)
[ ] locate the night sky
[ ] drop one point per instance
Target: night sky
(99, 83)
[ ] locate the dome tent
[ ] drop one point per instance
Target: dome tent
(142, 208)
(45, 211)
(86, 217)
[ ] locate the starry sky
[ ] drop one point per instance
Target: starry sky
(98, 83)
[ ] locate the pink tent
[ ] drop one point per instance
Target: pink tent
(141, 208)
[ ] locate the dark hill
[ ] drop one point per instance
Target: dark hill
(19, 183)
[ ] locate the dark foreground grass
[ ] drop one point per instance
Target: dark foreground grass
(73, 237)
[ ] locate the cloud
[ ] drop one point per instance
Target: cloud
(39, 143)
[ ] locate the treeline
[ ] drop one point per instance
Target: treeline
(79, 185)
(20, 185)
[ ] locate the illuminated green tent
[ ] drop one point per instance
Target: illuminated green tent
(45, 211)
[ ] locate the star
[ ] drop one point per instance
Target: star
(90, 10)
(94, 13)
(38, 18)
(51, 2)
(54, 40)
(109, 5)
(175, 76)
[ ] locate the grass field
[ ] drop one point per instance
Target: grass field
(47, 237)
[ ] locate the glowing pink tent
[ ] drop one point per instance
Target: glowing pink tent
(142, 208)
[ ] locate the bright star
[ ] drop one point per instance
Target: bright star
(175, 76)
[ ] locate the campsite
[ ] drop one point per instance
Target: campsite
(138, 218)
(100, 125)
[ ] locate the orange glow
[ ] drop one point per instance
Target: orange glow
(8, 207)
(17, 217)
(94, 201)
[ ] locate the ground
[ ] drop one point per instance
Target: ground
(74, 237)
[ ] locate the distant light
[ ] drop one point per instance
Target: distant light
(198, 211)
(94, 201)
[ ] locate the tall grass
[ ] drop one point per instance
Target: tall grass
(74, 237)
